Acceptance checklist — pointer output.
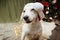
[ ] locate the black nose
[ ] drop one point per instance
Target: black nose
(25, 18)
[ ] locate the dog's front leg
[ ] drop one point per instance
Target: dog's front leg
(23, 36)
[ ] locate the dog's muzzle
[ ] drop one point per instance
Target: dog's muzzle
(26, 18)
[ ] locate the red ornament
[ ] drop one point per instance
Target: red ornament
(45, 4)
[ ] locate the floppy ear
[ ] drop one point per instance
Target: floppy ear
(21, 17)
(39, 8)
(41, 14)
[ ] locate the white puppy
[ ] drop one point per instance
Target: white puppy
(34, 27)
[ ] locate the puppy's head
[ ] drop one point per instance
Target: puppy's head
(32, 12)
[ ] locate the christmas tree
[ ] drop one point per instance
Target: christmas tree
(51, 9)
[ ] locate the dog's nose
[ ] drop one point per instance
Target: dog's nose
(25, 18)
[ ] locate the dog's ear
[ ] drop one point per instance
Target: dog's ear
(41, 14)
(39, 8)
(21, 17)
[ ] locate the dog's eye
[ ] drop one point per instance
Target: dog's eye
(32, 9)
(24, 11)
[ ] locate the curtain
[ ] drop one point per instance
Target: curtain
(10, 10)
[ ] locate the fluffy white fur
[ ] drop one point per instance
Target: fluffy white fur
(41, 28)
(37, 6)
